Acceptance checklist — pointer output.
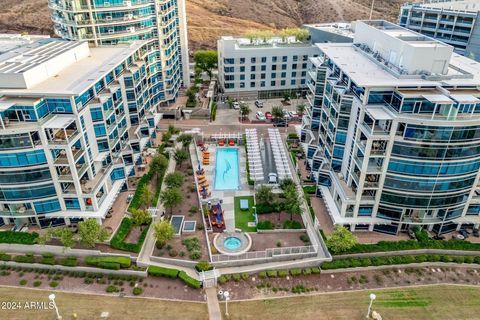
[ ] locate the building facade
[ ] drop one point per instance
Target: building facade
(456, 23)
(73, 121)
(392, 131)
(263, 69)
(108, 22)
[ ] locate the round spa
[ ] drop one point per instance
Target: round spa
(232, 243)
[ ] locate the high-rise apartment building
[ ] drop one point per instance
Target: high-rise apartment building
(392, 131)
(455, 22)
(108, 22)
(73, 122)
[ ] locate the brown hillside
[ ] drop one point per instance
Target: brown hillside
(208, 19)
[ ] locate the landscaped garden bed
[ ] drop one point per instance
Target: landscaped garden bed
(129, 237)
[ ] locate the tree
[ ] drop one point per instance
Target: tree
(185, 139)
(286, 184)
(170, 198)
(180, 156)
(286, 97)
(159, 164)
(264, 194)
(163, 232)
(45, 236)
(230, 102)
(277, 113)
(65, 236)
(341, 240)
(91, 232)
(140, 217)
(292, 202)
(244, 110)
(174, 180)
(146, 196)
(206, 60)
(301, 109)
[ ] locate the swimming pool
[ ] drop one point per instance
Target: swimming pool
(227, 176)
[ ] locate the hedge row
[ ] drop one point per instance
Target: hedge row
(137, 197)
(379, 261)
(415, 245)
(270, 207)
(18, 237)
(291, 272)
(47, 258)
(106, 262)
(118, 239)
(173, 274)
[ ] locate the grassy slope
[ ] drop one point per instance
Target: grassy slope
(91, 306)
(432, 302)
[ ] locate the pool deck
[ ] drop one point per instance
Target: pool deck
(226, 195)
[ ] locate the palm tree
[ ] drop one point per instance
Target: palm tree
(244, 111)
(277, 113)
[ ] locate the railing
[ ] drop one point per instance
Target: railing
(270, 254)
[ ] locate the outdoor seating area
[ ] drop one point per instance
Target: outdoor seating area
(216, 216)
(279, 154)
(227, 139)
(254, 157)
(206, 158)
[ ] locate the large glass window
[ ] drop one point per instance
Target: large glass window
(20, 159)
(432, 168)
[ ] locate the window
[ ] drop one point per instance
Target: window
(229, 61)
(293, 82)
(284, 59)
(284, 75)
(252, 76)
(263, 76)
(264, 59)
(274, 67)
(283, 82)
(252, 84)
(294, 66)
(242, 60)
(305, 58)
(304, 74)
(274, 59)
(295, 58)
(284, 67)
(229, 69)
(229, 77)
(272, 83)
(242, 69)
(304, 66)
(274, 75)
(262, 84)
(253, 60)
(242, 77)
(253, 68)
(242, 84)
(263, 68)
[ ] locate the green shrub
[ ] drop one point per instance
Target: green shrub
(282, 273)
(203, 266)
(112, 289)
(124, 262)
(236, 277)
(265, 225)
(195, 255)
(296, 272)
(70, 261)
(137, 291)
(304, 238)
(263, 274)
(37, 283)
(18, 237)
(289, 224)
(5, 257)
(222, 280)
(162, 272)
(272, 273)
(23, 282)
(192, 244)
(53, 284)
(307, 271)
(24, 259)
(189, 281)
(309, 189)
(245, 276)
(118, 240)
(108, 265)
(47, 260)
(316, 270)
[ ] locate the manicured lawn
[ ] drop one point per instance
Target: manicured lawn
(243, 217)
(91, 306)
(430, 302)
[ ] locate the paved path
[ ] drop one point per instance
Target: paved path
(214, 312)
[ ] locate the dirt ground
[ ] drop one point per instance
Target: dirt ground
(262, 241)
(284, 216)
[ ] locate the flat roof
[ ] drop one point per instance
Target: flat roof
(10, 41)
(463, 5)
(378, 113)
(60, 121)
(341, 28)
(79, 76)
(366, 73)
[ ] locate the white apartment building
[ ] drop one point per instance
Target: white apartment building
(392, 131)
(67, 139)
(263, 68)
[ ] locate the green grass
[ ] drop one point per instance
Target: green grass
(436, 302)
(243, 217)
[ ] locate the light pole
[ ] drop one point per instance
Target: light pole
(52, 298)
(226, 295)
(372, 297)
(371, 9)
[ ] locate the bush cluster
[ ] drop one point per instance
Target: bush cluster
(106, 262)
(265, 225)
(18, 237)
(173, 273)
(118, 240)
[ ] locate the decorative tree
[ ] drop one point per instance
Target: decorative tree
(170, 198)
(163, 232)
(341, 240)
(286, 184)
(146, 196)
(206, 60)
(185, 139)
(140, 217)
(66, 237)
(244, 111)
(292, 201)
(181, 156)
(91, 232)
(264, 194)
(174, 180)
(301, 109)
(159, 164)
(277, 113)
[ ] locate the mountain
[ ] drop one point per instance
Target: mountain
(208, 19)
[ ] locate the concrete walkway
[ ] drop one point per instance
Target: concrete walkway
(214, 312)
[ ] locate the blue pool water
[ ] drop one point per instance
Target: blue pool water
(227, 176)
(232, 243)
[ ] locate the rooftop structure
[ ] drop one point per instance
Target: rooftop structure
(376, 124)
(331, 32)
